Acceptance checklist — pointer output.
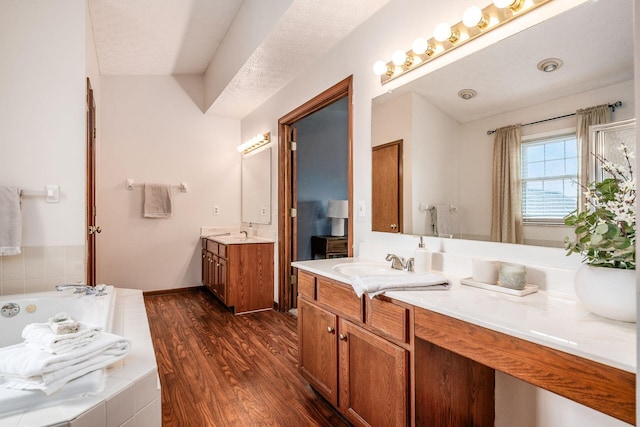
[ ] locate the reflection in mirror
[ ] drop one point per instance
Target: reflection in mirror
(447, 154)
(256, 187)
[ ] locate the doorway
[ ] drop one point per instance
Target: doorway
(287, 186)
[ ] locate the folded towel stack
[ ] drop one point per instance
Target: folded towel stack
(24, 368)
(379, 284)
(62, 323)
(40, 336)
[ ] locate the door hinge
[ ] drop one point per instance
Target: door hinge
(294, 146)
(293, 212)
(294, 279)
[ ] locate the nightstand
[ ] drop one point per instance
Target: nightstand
(329, 246)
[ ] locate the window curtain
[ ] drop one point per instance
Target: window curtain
(506, 218)
(598, 115)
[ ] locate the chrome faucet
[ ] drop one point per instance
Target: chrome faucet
(397, 262)
(83, 289)
(410, 265)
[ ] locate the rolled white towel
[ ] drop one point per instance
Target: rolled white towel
(40, 336)
(379, 284)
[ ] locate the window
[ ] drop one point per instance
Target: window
(549, 179)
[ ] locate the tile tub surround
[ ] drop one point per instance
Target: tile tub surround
(41, 268)
(132, 393)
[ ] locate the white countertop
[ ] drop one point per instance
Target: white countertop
(236, 239)
(555, 321)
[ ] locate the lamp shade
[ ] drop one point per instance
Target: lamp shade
(338, 209)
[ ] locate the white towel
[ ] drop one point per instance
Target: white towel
(10, 221)
(442, 220)
(28, 369)
(40, 336)
(157, 201)
(376, 285)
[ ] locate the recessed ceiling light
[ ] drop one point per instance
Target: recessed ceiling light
(467, 94)
(550, 64)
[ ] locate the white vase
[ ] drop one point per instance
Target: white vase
(607, 292)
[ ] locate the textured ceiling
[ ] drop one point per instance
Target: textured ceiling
(147, 37)
(594, 40)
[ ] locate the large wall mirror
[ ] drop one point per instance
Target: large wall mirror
(256, 187)
(442, 118)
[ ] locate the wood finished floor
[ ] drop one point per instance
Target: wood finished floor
(217, 369)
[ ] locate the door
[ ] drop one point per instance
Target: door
(287, 227)
(92, 228)
(374, 378)
(386, 210)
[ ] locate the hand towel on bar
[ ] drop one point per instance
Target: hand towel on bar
(10, 221)
(157, 201)
(376, 285)
(40, 336)
(443, 220)
(28, 369)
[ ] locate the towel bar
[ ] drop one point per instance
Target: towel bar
(131, 183)
(51, 193)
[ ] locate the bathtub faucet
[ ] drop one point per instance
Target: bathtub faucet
(83, 289)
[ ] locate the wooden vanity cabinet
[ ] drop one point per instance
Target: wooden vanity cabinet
(362, 370)
(239, 275)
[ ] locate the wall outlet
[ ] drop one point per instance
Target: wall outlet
(216, 210)
(263, 210)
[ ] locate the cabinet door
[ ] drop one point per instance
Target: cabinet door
(374, 378)
(222, 280)
(317, 349)
(205, 268)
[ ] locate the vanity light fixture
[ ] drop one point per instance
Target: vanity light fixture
(549, 65)
(475, 22)
(254, 143)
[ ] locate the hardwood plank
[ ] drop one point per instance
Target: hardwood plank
(217, 369)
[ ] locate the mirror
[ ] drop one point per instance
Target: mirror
(447, 154)
(256, 187)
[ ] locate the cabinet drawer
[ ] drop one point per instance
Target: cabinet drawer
(306, 284)
(340, 298)
(390, 319)
(337, 245)
(212, 246)
(222, 250)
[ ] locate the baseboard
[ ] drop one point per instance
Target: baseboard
(172, 291)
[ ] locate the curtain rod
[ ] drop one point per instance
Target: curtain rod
(613, 107)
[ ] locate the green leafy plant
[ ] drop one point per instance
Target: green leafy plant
(606, 230)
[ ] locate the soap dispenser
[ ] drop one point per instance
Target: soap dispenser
(422, 258)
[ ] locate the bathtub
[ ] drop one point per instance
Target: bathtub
(131, 391)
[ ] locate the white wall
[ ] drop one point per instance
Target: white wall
(42, 82)
(153, 131)
(44, 53)
(394, 27)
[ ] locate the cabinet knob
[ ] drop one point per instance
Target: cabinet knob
(394, 227)
(331, 329)
(342, 337)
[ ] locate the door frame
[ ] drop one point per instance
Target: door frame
(286, 185)
(91, 186)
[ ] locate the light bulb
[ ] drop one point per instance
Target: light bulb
(473, 17)
(442, 32)
(419, 46)
(399, 57)
(379, 68)
(504, 3)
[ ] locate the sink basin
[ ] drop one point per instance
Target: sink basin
(365, 269)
